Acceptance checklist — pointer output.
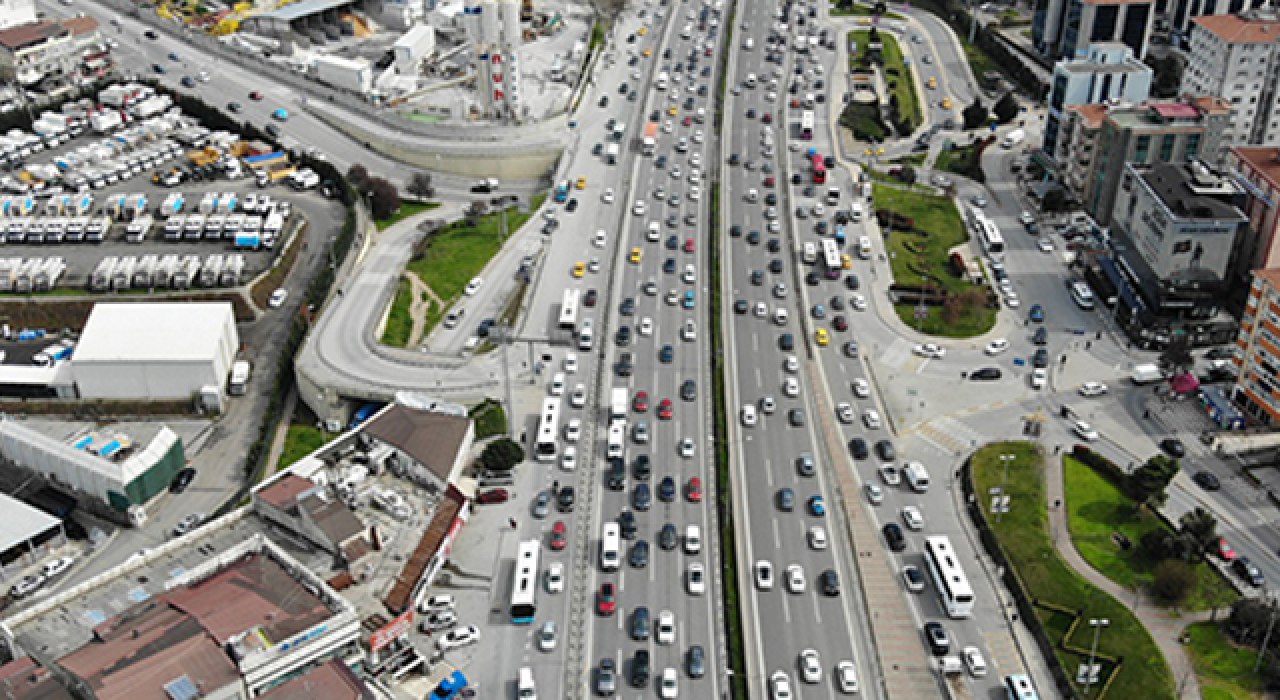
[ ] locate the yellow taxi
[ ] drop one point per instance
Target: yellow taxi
(642, 31)
(579, 269)
(673, 110)
(581, 183)
(946, 103)
(647, 53)
(932, 83)
(846, 261)
(822, 337)
(635, 256)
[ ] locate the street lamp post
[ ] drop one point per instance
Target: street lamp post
(1097, 625)
(1004, 485)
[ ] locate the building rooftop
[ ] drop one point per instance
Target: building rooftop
(1152, 114)
(24, 679)
(1235, 29)
(1266, 161)
(22, 36)
(1271, 276)
(1091, 115)
(305, 8)
(430, 438)
(21, 522)
(154, 332)
(1182, 188)
(1175, 110)
(79, 26)
(331, 681)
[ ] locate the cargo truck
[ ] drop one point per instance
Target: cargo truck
(22, 277)
(650, 138)
(173, 228)
(231, 270)
(137, 230)
(237, 385)
(75, 229)
(211, 271)
(193, 229)
(208, 203)
(171, 205)
(186, 272)
(163, 276)
(226, 203)
(144, 273)
(47, 276)
(97, 228)
(122, 276)
(213, 227)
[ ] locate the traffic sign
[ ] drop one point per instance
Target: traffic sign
(922, 312)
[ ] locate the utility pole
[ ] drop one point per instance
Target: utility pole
(1266, 638)
(1097, 626)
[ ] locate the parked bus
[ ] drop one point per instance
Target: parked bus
(806, 125)
(569, 309)
(524, 583)
(948, 577)
(819, 169)
(831, 256)
(992, 241)
(544, 449)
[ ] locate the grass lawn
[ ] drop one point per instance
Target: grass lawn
(407, 209)
(954, 159)
(399, 323)
(1096, 510)
(916, 159)
(490, 419)
(1225, 670)
(460, 251)
(301, 441)
(938, 216)
(1023, 532)
(895, 73)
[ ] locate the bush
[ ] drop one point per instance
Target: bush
(502, 454)
(1174, 580)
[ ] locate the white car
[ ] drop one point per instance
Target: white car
(844, 411)
(997, 346)
(791, 364)
(695, 579)
(929, 350)
(767, 405)
(646, 327)
(791, 387)
(458, 638)
(748, 415)
(639, 208)
(1045, 244)
(690, 274)
(686, 448)
(27, 586)
(871, 418)
(547, 636)
(436, 603)
(764, 575)
(795, 579)
(817, 537)
(277, 298)
(973, 659)
(569, 460)
(1085, 431)
(667, 627)
(571, 362)
(847, 677)
(607, 196)
(780, 290)
(573, 430)
(654, 232)
(858, 302)
(762, 309)
(1092, 389)
(810, 666)
(690, 330)
(1012, 301)
(780, 686)
(600, 239)
(579, 396)
(56, 567)
(861, 388)
(1026, 217)
(669, 686)
(912, 517)
(890, 474)
(473, 286)
(875, 494)
(1039, 378)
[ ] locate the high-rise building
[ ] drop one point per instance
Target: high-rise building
(1182, 12)
(1066, 28)
(496, 35)
(1110, 72)
(1257, 171)
(1237, 57)
(1257, 358)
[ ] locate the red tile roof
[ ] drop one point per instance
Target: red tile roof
(332, 681)
(24, 35)
(284, 492)
(1234, 29)
(1092, 115)
(1265, 161)
(80, 26)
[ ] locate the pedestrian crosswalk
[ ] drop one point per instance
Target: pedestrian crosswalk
(950, 435)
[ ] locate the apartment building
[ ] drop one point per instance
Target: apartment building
(1066, 28)
(1182, 12)
(1257, 359)
(16, 12)
(44, 55)
(1109, 72)
(1237, 58)
(1257, 171)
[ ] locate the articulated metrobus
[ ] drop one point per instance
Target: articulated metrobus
(524, 583)
(948, 578)
(569, 309)
(544, 448)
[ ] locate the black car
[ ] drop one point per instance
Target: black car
(1041, 336)
(150, 34)
(858, 447)
(187, 82)
(565, 499)
(757, 277)
(597, 149)
(604, 100)
(936, 634)
(735, 231)
(1247, 571)
(640, 668)
(669, 266)
(640, 623)
(830, 582)
(697, 661)
(787, 342)
(786, 500)
(641, 468)
(233, 107)
(627, 524)
(667, 489)
(622, 338)
(617, 479)
(884, 448)
(837, 303)
(689, 390)
(734, 159)
(741, 307)
(482, 330)
(894, 537)
(628, 307)
(753, 238)
(667, 537)
(1207, 480)
(775, 266)
(852, 282)
(641, 497)
(625, 366)
(812, 279)
(182, 480)
(589, 299)
(1040, 359)
(639, 554)
(805, 466)
(1173, 447)
(985, 374)
(774, 245)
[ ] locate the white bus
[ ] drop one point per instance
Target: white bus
(1018, 687)
(544, 449)
(992, 241)
(569, 309)
(524, 583)
(948, 577)
(831, 257)
(610, 544)
(806, 125)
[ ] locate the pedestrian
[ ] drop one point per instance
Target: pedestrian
(555, 486)
(1088, 344)
(512, 523)
(1099, 336)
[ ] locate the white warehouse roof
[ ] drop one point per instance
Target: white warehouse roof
(21, 522)
(154, 332)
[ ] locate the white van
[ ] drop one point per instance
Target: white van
(617, 438)
(525, 688)
(692, 539)
(610, 542)
(810, 252)
(855, 211)
(1082, 295)
(748, 44)
(864, 247)
(557, 385)
(917, 476)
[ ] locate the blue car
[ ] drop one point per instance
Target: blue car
(1037, 314)
(667, 354)
(817, 506)
(280, 115)
(688, 299)
(673, 242)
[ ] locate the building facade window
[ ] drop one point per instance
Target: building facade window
(1192, 150)
(1166, 147)
(1142, 149)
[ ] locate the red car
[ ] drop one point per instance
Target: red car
(559, 536)
(493, 496)
(688, 121)
(693, 491)
(606, 599)
(767, 118)
(769, 181)
(255, 95)
(664, 409)
(640, 403)
(840, 323)
(1225, 551)
(795, 102)
(590, 299)
(688, 245)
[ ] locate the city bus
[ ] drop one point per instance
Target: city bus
(831, 256)
(544, 449)
(992, 241)
(806, 125)
(569, 309)
(819, 169)
(524, 583)
(952, 585)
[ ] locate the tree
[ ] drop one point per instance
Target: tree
(975, 115)
(1149, 481)
(383, 198)
(1173, 581)
(1168, 75)
(907, 175)
(420, 186)
(502, 454)
(1177, 357)
(1006, 110)
(1201, 527)
(358, 176)
(1248, 621)
(873, 35)
(879, 8)
(1054, 200)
